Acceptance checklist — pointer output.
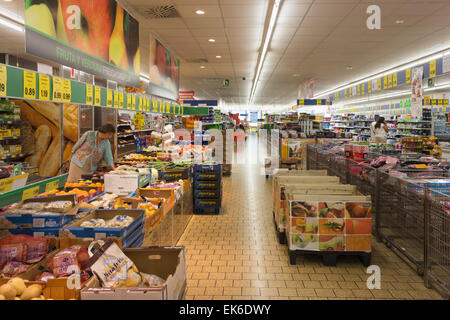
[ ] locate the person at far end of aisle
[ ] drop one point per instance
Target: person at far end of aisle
(381, 131)
(372, 128)
(89, 151)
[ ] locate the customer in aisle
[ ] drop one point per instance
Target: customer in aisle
(89, 151)
(381, 131)
(372, 128)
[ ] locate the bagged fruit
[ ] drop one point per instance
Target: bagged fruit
(69, 261)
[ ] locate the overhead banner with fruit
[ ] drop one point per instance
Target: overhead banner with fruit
(164, 71)
(95, 36)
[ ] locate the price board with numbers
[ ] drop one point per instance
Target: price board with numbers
(67, 90)
(52, 185)
(29, 84)
(44, 87)
(116, 99)
(133, 98)
(109, 98)
(58, 89)
(121, 100)
(98, 96)
(3, 80)
(89, 94)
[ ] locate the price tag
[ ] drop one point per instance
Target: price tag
(390, 81)
(6, 185)
(98, 96)
(121, 100)
(30, 193)
(67, 90)
(116, 99)
(133, 97)
(3, 80)
(350, 91)
(58, 88)
(363, 89)
(29, 84)
(369, 87)
(301, 102)
(154, 106)
(109, 98)
(345, 93)
(44, 87)
(52, 186)
(394, 79)
(433, 69)
(319, 102)
(336, 95)
(379, 84)
(445, 102)
(408, 76)
(140, 104)
(129, 101)
(385, 82)
(89, 94)
(439, 102)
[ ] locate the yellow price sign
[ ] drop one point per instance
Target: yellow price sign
(58, 89)
(350, 92)
(394, 79)
(319, 102)
(67, 90)
(408, 76)
(140, 104)
(116, 99)
(390, 81)
(134, 101)
(433, 69)
(29, 84)
(301, 102)
(6, 184)
(379, 84)
(52, 186)
(30, 193)
(109, 98)
(44, 87)
(129, 101)
(363, 89)
(345, 93)
(3, 80)
(440, 102)
(385, 82)
(369, 87)
(121, 100)
(445, 102)
(89, 94)
(336, 95)
(154, 106)
(358, 90)
(98, 96)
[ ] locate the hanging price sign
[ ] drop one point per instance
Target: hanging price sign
(29, 84)
(3, 79)
(44, 87)
(121, 100)
(134, 101)
(129, 101)
(89, 94)
(379, 84)
(390, 81)
(408, 75)
(67, 90)
(98, 96)
(109, 98)
(394, 79)
(385, 82)
(58, 88)
(433, 69)
(116, 99)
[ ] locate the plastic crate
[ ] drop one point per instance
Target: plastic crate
(207, 185)
(207, 203)
(211, 210)
(36, 232)
(41, 221)
(174, 175)
(207, 168)
(133, 237)
(208, 194)
(208, 176)
(138, 243)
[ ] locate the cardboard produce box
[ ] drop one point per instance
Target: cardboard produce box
(57, 288)
(150, 222)
(168, 263)
(45, 220)
(166, 193)
(329, 223)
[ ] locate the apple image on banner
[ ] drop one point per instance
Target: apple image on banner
(87, 25)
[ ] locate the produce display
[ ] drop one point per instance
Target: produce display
(16, 289)
(120, 221)
(104, 201)
(54, 207)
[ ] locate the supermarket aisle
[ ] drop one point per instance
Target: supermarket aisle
(236, 255)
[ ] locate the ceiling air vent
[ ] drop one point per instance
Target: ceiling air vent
(160, 12)
(197, 60)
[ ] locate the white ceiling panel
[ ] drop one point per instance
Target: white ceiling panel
(243, 10)
(330, 10)
(189, 11)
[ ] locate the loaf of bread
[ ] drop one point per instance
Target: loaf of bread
(67, 154)
(35, 118)
(51, 161)
(70, 126)
(42, 137)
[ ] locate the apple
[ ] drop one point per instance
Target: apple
(97, 19)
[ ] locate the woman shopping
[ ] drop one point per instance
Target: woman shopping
(89, 151)
(380, 132)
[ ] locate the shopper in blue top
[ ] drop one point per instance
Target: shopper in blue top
(89, 151)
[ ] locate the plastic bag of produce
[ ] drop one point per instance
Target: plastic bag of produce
(69, 261)
(23, 248)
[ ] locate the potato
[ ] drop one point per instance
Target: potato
(19, 284)
(33, 291)
(133, 279)
(8, 291)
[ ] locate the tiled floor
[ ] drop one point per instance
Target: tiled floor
(236, 255)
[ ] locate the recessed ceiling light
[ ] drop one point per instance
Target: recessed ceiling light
(212, 40)
(296, 75)
(349, 68)
(200, 12)
(202, 67)
(218, 57)
(400, 21)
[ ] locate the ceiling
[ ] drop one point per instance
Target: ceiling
(313, 39)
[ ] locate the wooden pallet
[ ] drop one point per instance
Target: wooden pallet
(329, 257)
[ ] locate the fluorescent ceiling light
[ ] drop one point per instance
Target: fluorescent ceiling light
(380, 74)
(200, 12)
(218, 57)
(269, 33)
(11, 24)
(212, 40)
